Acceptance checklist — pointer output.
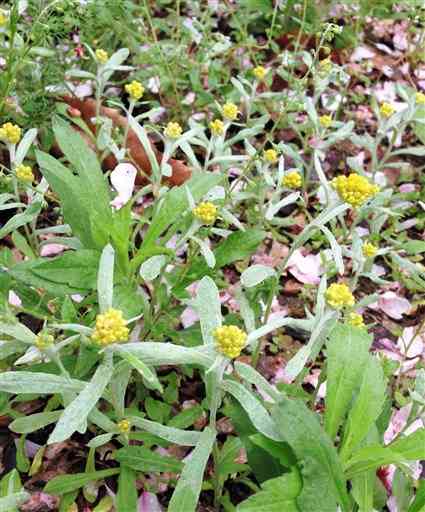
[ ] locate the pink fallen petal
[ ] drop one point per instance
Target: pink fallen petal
(76, 297)
(148, 502)
(14, 300)
(122, 179)
(411, 344)
(362, 53)
(393, 305)
(397, 422)
(407, 187)
(305, 269)
(189, 317)
(52, 249)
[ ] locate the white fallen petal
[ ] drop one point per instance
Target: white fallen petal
(122, 179)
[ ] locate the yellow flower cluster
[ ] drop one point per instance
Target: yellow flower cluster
(325, 65)
(356, 320)
(230, 111)
(339, 296)
(271, 155)
(3, 19)
(43, 340)
(355, 189)
(292, 180)
(110, 328)
(369, 250)
(325, 121)
(24, 173)
(230, 340)
(217, 127)
(206, 212)
(124, 426)
(420, 98)
(101, 56)
(260, 72)
(386, 109)
(135, 90)
(173, 130)
(10, 133)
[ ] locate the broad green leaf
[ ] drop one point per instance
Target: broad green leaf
(418, 504)
(24, 146)
(251, 375)
(100, 440)
(320, 466)
(257, 413)
(276, 495)
(280, 451)
(151, 268)
(186, 494)
(40, 383)
(127, 490)
(105, 278)
(18, 331)
(33, 422)
(142, 459)
(366, 408)
(404, 449)
(169, 433)
(208, 307)
(20, 219)
(67, 483)
(348, 352)
(77, 411)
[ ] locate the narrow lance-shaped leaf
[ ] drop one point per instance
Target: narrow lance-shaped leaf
(186, 493)
(105, 278)
(208, 307)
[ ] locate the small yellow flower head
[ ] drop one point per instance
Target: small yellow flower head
(124, 426)
(356, 320)
(230, 340)
(173, 130)
(325, 121)
(10, 133)
(206, 212)
(260, 72)
(135, 90)
(230, 111)
(3, 19)
(339, 296)
(325, 65)
(386, 109)
(217, 127)
(369, 250)
(101, 56)
(271, 155)
(354, 190)
(292, 180)
(110, 328)
(24, 173)
(43, 340)
(420, 98)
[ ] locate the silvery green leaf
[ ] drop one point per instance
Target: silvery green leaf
(206, 251)
(24, 145)
(208, 307)
(156, 354)
(148, 375)
(336, 250)
(416, 151)
(100, 440)
(114, 61)
(171, 434)
(240, 88)
(311, 110)
(341, 133)
(274, 208)
(320, 297)
(186, 494)
(31, 355)
(13, 501)
(322, 177)
(9, 347)
(78, 410)
(81, 329)
(43, 383)
(251, 404)
(276, 323)
(329, 214)
(216, 193)
(256, 274)
(228, 159)
(313, 347)
(285, 149)
(151, 268)
(33, 422)
(246, 311)
(307, 58)
(188, 151)
(166, 169)
(251, 375)
(79, 73)
(105, 278)
(244, 135)
(144, 139)
(18, 331)
(190, 200)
